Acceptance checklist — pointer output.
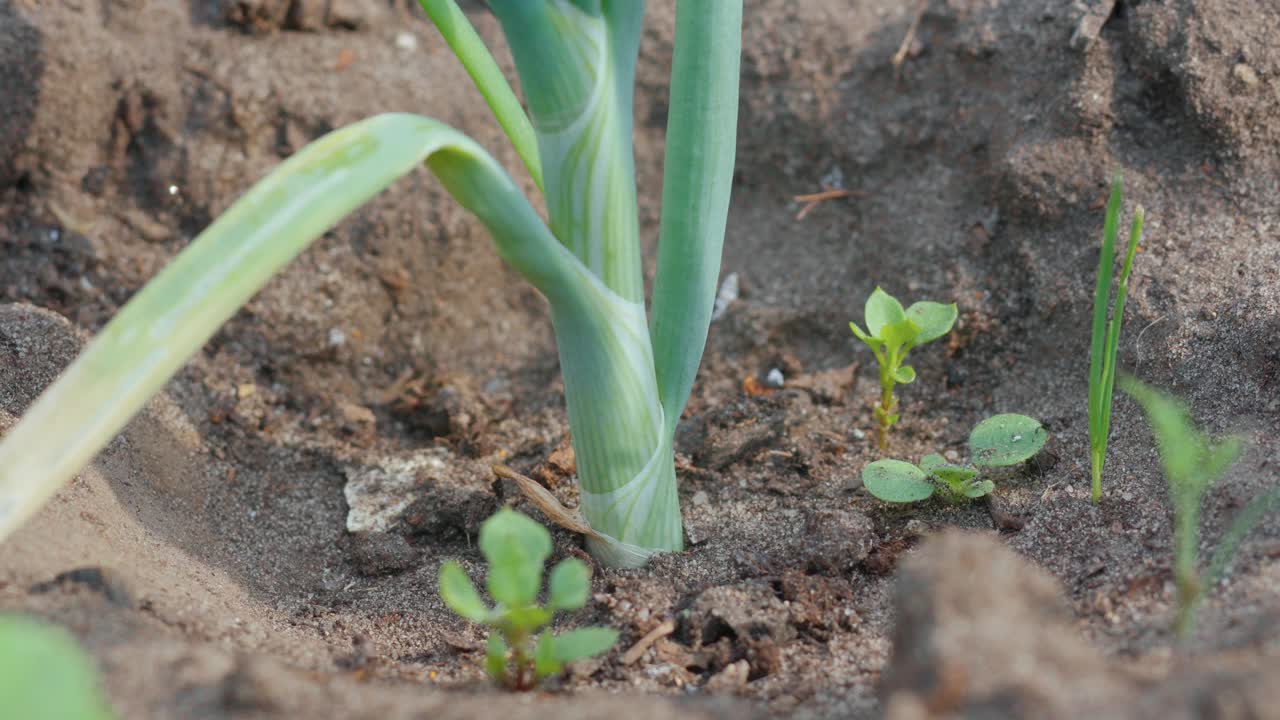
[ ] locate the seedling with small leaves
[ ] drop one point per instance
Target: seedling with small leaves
(891, 333)
(1192, 462)
(998, 441)
(521, 652)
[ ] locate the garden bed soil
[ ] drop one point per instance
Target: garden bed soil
(205, 559)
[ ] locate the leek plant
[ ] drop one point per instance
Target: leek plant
(1106, 333)
(626, 379)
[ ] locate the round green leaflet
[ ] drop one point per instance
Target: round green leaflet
(1006, 439)
(896, 481)
(44, 675)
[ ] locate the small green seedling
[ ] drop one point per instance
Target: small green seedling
(1106, 335)
(44, 675)
(1192, 462)
(891, 333)
(998, 441)
(520, 651)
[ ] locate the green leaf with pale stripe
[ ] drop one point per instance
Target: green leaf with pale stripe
(168, 320)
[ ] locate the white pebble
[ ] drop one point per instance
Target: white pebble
(726, 296)
(407, 41)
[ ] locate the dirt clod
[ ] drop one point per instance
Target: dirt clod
(381, 553)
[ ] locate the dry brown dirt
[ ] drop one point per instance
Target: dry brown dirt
(204, 560)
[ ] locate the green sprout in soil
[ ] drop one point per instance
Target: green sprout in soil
(627, 369)
(44, 675)
(1193, 461)
(521, 652)
(891, 333)
(1106, 334)
(998, 441)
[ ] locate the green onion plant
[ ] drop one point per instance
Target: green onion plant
(1106, 333)
(626, 378)
(1193, 461)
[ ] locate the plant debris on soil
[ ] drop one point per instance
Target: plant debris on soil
(263, 541)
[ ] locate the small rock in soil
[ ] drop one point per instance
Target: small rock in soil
(837, 539)
(357, 420)
(379, 553)
(729, 680)
(741, 622)
(433, 491)
(100, 580)
(980, 630)
(257, 684)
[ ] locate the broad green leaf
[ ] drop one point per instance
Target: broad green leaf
(955, 476)
(1006, 439)
(459, 594)
(929, 462)
(44, 675)
(978, 489)
(905, 374)
(896, 481)
(900, 335)
(569, 585)
(882, 309)
(545, 663)
(584, 643)
(934, 319)
(516, 548)
(495, 657)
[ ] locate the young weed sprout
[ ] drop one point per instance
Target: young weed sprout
(891, 333)
(520, 652)
(1106, 334)
(998, 441)
(626, 378)
(1192, 463)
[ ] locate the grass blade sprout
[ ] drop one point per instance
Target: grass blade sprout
(1106, 334)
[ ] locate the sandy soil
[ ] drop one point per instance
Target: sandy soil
(217, 578)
